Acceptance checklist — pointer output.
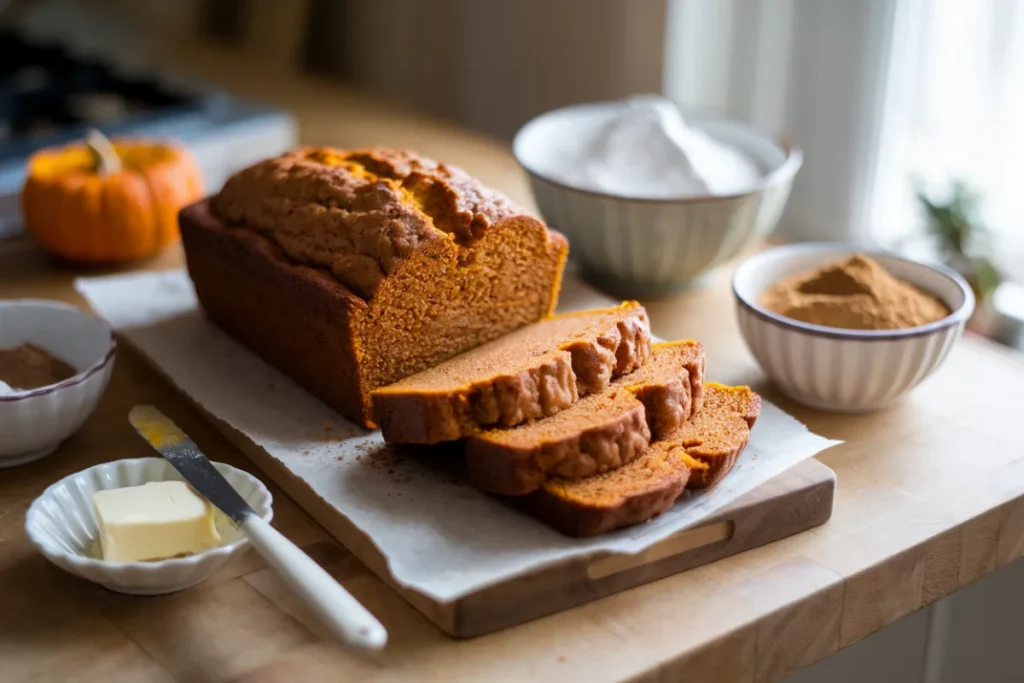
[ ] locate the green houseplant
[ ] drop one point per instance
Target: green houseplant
(962, 240)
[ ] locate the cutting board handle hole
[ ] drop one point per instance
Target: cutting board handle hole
(684, 541)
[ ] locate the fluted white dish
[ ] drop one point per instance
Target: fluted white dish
(34, 422)
(649, 247)
(61, 523)
(845, 370)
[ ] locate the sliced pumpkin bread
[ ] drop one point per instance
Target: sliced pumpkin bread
(713, 436)
(532, 373)
(698, 455)
(598, 433)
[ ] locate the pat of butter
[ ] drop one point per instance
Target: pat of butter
(154, 521)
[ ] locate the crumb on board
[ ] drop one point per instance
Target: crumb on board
(338, 434)
(384, 459)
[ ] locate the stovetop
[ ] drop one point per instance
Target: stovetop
(50, 95)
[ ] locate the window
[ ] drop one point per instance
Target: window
(954, 110)
(878, 93)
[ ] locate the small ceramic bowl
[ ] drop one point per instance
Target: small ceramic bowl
(845, 370)
(33, 423)
(61, 523)
(650, 247)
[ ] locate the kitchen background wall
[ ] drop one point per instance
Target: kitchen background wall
(835, 77)
(493, 65)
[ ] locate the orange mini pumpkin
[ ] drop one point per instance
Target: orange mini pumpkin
(108, 203)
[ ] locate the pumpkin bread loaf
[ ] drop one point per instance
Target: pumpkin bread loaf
(350, 270)
(600, 432)
(697, 455)
(532, 373)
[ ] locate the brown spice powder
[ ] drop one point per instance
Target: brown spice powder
(29, 367)
(853, 294)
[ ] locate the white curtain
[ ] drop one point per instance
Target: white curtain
(956, 111)
(877, 93)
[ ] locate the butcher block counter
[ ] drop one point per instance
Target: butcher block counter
(930, 498)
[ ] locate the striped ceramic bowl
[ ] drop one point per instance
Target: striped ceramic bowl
(34, 422)
(637, 248)
(845, 370)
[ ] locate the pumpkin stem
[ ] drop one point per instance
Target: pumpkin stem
(106, 159)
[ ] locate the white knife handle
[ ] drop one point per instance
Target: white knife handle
(331, 603)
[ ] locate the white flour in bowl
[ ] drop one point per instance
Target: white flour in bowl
(647, 150)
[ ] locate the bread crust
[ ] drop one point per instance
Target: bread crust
(359, 214)
(249, 289)
(581, 520)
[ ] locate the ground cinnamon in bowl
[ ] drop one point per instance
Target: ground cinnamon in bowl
(29, 367)
(855, 294)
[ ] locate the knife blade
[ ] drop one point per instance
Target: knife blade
(333, 605)
(185, 456)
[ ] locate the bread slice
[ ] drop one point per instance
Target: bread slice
(531, 373)
(698, 455)
(670, 397)
(716, 436)
(600, 432)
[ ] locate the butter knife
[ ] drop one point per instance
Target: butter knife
(332, 604)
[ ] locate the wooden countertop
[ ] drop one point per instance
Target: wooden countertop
(930, 498)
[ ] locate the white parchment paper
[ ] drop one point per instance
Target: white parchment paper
(440, 537)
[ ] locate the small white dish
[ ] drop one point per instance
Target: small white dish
(61, 523)
(648, 247)
(34, 422)
(845, 370)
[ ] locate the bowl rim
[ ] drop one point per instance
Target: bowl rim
(778, 176)
(82, 376)
(959, 316)
(171, 563)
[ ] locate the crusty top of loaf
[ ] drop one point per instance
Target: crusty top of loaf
(358, 213)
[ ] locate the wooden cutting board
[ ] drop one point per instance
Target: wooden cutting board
(798, 499)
